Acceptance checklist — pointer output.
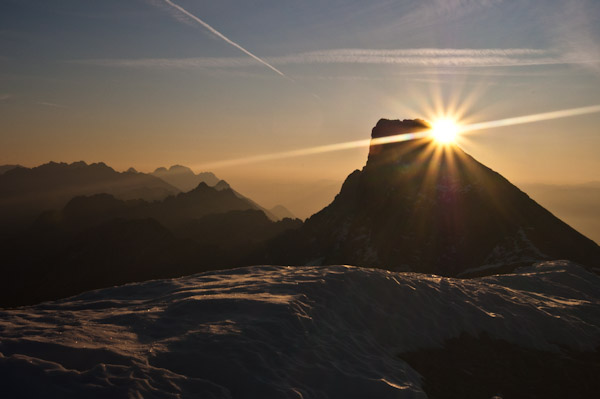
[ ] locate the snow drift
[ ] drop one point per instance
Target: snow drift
(283, 332)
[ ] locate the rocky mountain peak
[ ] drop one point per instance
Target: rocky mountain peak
(402, 151)
(389, 127)
(417, 206)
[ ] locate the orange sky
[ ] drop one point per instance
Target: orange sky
(143, 84)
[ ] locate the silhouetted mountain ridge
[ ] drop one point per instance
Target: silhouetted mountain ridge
(172, 212)
(428, 208)
(26, 192)
(100, 241)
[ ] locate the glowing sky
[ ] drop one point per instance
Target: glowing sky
(149, 83)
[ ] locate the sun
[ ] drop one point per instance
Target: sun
(444, 131)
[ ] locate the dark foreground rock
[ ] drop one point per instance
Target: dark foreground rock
(471, 367)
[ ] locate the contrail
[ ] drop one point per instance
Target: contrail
(225, 38)
(400, 137)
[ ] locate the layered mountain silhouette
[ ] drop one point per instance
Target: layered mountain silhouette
(184, 178)
(223, 185)
(423, 207)
(100, 241)
(173, 212)
(26, 192)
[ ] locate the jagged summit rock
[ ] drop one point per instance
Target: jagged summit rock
(394, 153)
(428, 208)
(391, 127)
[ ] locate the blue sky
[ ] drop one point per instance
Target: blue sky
(140, 83)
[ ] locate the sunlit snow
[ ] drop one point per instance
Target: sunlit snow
(283, 332)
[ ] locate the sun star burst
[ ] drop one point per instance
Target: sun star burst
(444, 131)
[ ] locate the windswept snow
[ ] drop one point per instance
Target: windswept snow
(283, 332)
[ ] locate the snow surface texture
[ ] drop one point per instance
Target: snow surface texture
(282, 332)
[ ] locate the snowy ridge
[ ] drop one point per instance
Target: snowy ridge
(283, 332)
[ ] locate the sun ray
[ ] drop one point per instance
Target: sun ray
(434, 153)
(519, 120)
(467, 128)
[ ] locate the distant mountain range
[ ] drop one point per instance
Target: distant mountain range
(173, 212)
(100, 241)
(26, 192)
(418, 207)
(184, 178)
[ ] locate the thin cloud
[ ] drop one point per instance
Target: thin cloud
(427, 13)
(572, 26)
(416, 57)
(421, 57)
(4, 97)
(222, 36)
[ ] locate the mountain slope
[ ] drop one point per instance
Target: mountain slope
(223, 185)
(422, 207)
(310, 332)
(25, 192)
(577, 204)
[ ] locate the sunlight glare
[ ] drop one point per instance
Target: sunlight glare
(441, 124)
(444, 131)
